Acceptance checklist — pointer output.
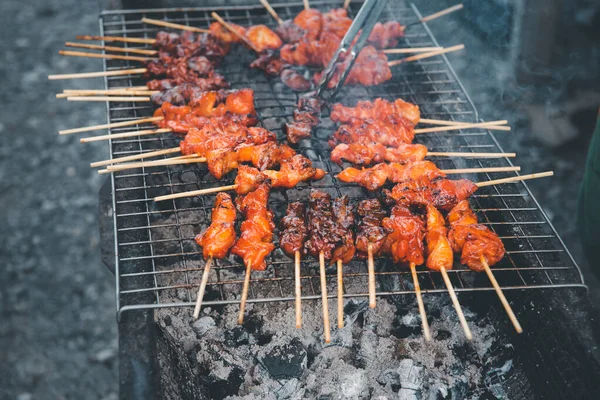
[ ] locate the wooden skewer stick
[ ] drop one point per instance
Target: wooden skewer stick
(457, 307)
(346, 4)
(115, 92)
(108, 93)
(340, 294)
(111, 48)
(245, 293)
(116, 39)
(105, 56)
(126, 135)
(195, 193)
(119, 72)
(123, 135)
(110, 126)
(410, 50)
(135, 157)
(271, 11)
(442, 13)
(202, 288)
(371, 272)
(451, 123)
(465, 154)
(306, 7)
(192, 159)
(174, 26)
(426, 331)
(487, 125)
(326, 328)
(426, 55)
(480, 170)
(108, 98)
(515, 179)
(235, 32)
(298, 287)
(507, 307)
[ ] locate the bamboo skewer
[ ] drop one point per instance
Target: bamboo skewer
(340, 294)
(507, 307)
(453, 123)
(457, 307)
(306, 5)
(195, 193)
(326, 327)
(480, 170)
(105, 56)
(202, 288)
(116, 39)
(465, 154)
(108, 98)
(131, 71)
(426, 55)
(346, 4)
(426, 331)
(111, 125)
(489, 125)
(236, 33)
(135, 157)
(410, 50)
(174, 25)
(517, 178)
(371, 272)
(271, 11)
(192, 159)
(442, 13)
(83, 93)
(298, 289)
(245, 293)
(111, 48)
(125, 135)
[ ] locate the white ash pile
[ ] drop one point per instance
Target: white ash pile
(379, 354)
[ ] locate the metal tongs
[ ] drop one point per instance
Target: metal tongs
(364, 22)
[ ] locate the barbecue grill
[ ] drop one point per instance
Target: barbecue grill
(158, 265)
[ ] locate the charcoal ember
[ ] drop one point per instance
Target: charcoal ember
(237, 337)
(285, 361)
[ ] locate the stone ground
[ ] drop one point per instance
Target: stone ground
(57, 337)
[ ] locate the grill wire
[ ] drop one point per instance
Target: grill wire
(158, 264)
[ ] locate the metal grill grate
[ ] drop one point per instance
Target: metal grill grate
(158, 264)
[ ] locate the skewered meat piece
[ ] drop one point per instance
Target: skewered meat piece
(439, 251)
(225, 35)
(308, 52)
(324, 234)
(293, 171)
(344, 218)
(263, 38)
(377, 109)
(294, 230)
(369, 69)
(375, 177)
(294, 80)
(256, 238)
(289, 32)
(473, 240)
(336, 21)
(391, 131)
(218, 238)
(248, 179)
(311, 21)
(405, 238)
(385, 35)
(442, 193)
(366, 153)
(306, 117)
(270, 62)
(212, 82)
(370, 230)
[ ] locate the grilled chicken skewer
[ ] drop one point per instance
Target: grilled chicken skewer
(478, 247)
(344, 218)
(216, 240)
(292, 238)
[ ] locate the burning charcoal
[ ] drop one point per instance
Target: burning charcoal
(285, 361)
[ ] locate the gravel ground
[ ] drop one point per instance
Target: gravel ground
(57, 336)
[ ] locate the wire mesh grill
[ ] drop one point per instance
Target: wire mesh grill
(158, 263)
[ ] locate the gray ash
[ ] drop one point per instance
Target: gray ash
(378, 354)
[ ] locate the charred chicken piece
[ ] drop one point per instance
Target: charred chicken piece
(441, 193)
(375, 177)
(256, 239)
(344, 218)
(439, 251)
(404, 241)
(248, 179)
(365, 152)
(218, 238)
(370, 68)
(289, 32)
(324, 234)
(265, 156)
(385, 35)
(370, 230)
(473, 240)
(306, 117)
(225, 35)
(263, 38)
(391, 131)
(294, 230)
(377, 109)
(293, 171)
